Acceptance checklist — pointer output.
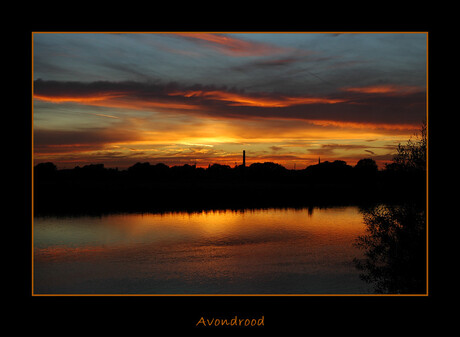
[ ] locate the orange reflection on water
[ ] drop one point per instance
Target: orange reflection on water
(228, 250)
(206, 228)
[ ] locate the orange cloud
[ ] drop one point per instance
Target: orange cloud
(232, 46)
(77, 99)
(385, 89)
(116, 101)
(257, 101)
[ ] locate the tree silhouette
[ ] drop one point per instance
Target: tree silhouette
(407, 174)
(329, 172)
(45, 170)
(412, 155)
(395, 249)
(395, 243)
(366, 165)
(365, 170)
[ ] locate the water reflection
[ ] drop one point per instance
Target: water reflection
(395, 249)
(259, 251)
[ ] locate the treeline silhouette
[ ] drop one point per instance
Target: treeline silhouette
(149, 187)
(153, 187)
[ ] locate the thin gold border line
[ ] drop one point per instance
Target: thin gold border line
(230, 32)
(427, 168)
(32, 151)
(227, 295)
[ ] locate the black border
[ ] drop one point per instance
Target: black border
(29, 315)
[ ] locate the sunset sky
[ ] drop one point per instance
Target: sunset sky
(181, 98)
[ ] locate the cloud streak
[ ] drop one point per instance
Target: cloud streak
(233, 46)
(375, 107)
(269, 101)
(388, 89)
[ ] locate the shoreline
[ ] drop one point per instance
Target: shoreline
(98, 197)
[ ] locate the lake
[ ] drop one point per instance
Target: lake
(253, 251)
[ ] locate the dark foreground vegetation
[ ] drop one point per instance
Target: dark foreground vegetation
(394, 248)
(145, 187)
(150, 188)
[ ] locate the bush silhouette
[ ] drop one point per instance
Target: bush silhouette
(395, 249)
(45, 171)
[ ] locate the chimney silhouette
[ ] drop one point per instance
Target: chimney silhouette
(244, 158)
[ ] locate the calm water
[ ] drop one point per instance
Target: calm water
(266, 251)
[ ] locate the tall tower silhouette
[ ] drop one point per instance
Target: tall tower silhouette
(244, 158)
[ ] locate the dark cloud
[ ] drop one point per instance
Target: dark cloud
(46, 141)
(223, 102)
(276, 148)
(329, 149)
(84, 89)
